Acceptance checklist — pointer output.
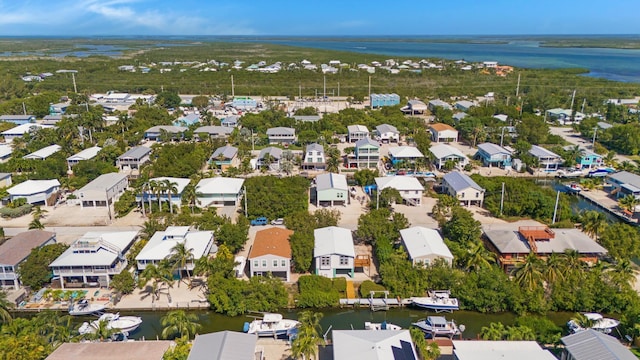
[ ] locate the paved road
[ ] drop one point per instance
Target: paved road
(574, 138)
(68, 234)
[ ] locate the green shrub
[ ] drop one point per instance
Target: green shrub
(368, 286)
(340, 284)
(317, 292)
(314, 282)
(7, 212)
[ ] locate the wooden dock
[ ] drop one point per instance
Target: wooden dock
(607, 204)
(375, 303)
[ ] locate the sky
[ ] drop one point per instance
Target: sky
(328, 17)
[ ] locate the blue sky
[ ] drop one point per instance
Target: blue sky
(328, 17)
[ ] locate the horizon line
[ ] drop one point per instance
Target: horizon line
(314, 35)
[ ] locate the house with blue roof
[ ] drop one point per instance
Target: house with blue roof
(463, 188)
(493, 155)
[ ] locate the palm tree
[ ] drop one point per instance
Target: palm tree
(622, 272)
(529, 273)
(179, 322)
(182, 255)
(628, 203)
(39, 212)
(149, 228)
(5, 316)
(35, 224)
(610, 159)
(495, 331)
(306, 343)
(102, 332)
(171, 188)
(190, 196)
(157, 275)
(593, 223)
(554, 268)
(479, 257)
(159, 189)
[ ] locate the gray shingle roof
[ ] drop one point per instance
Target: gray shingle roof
(223, 345)
(539, 151)
(459, 181)
(137, 152)
(384, 128)
(227, 151)
(273, 151)
(625, 177)
(592, 345)
(493, 149)
(315, 147)
(367, 141)
(281, 130)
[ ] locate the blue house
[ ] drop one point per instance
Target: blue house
(244, 102)
(19, 119)
(230, 121)
(493, 155)
(588, 159)
(380, 100)
(187, 120)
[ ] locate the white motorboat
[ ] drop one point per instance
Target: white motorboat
(125, 324)
(437, 301)
(570, 173)
(380, 326)
(434, 326)
(598, 323)
(84, 307)
(573, 188)
(270, 325)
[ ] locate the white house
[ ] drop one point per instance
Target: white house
(404, 153)
(275, 154)
(462, 187)
(373, 345)
(409, 187)
(436, 103)
(443, 133)
(425, 245)
(16, 250)
(161, 244)
(502, 349)
(443, 153)
(357, 132)
(281, 135)
(225, 157)
(86, 154)
(386, 133)
(214, 132)
(176, 198)
(5, 152)
(134, 158)
(43, 153)
(333, 251)
(36, 192)
(331, 188)
(225, 345)
(20, 130)
(94, 258)
(314, 158)
(103, 190)
(271, 253)
(219, 191)
(172, 132)
(414, 107)
(547, 160)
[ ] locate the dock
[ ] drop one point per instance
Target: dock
(604, 202)
(376, 303)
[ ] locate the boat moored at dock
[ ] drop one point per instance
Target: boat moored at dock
(270, 325)
(437, 301)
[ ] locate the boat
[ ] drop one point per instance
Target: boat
(124, 324)
(598, 323)
(600, 172)
(270, 325)
(569, 173)
(438, 301)
(434, 326)
(573, 188)
(83, 307)
(381, 326)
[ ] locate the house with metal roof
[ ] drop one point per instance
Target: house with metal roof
(131, 350)
(464, 105)
(373, 345)
(331, 189)
(230, 121)
(409, 188)
(314, 158)
(225, 157)
(565, 116)
(381, 100)
(414, 107)
(444, 153)
(547, 160)
(366, 154)
(514, 241)
(18, 119)
(498, 350)
(187, 120)
(214, 132)
(219, 191)
(161, 245)
(424, 246)
(5, 180)
(443, 133)
(333, 252)
(307, 118)
(20, 130)
(593, 345)
(436, 103)
(462, 187)
(43, 153)
(271, 253)
(269, 157)
(624, 183)
(94, 258)
(281, 135)
(404, 153)
(134, 158)
(86, 154)
(103, 191)
(357, 132)
(493, 155)
(588, 159)
(5, 152)
(176, 198)
(386, 133)
(225, 345)
(35, 192)
(16, 250)
(165, 133)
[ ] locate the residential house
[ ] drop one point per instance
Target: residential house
(513, 242)
(94, 258)
(134, 158)
(462, 187)
(357, 132)
(424, 246)
(624, 183)
(43, 153)
(381, 100)
(589, 160)
(366, 154)
(165, 133)
(501, 117)
(547, 160)
(161, 245)
(498, 350)
(564, 116)
(214, 132)
(5, 152)
(244, 103)
(269, 157)
(494, 155)
(103, 190)
(307, 118)
(15, 251)
(36, 192)
(386, 133)
(281, 135)
(436, 103)
(133, 350)
(594, 345)
(271, 253)
(225, 157)
(464, 105)
(333, 252)
(5, 180)
(86, 154)
(331, 189)
(409, 188)
(314, 157)
(230, 121)
(152, 196)
(18, 119)
(187, 120)
(373, 345)
(444, 153)
(20, 130)
(404, 154)
(414, 107)
(443, 133)
(225, 345)
(219, 191)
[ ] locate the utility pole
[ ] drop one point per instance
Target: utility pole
(324, 88)
(508, 97)
(253, 143)
(338, 88)
(369, 90)
(377, 199)
(24, 108)
(245, 202)
(502, 200)
(300, 91)
(233, 89)
(502, 135)
(573, 98)
(518, 86)
(584, 102)
(555, 209)
(75, 88)
(593, 144)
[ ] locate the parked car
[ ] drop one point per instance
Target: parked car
(259, 221)
(279, 221)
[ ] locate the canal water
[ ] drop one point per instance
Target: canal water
(578, 203)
